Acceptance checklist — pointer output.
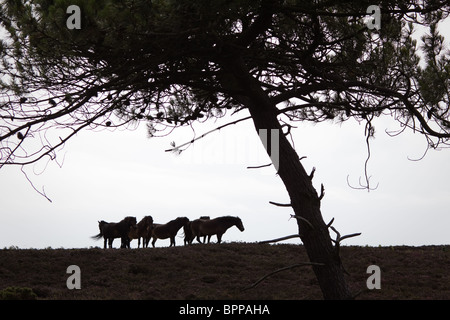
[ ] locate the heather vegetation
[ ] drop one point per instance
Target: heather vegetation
(216, 271)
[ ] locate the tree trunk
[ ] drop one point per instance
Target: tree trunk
(304, 199)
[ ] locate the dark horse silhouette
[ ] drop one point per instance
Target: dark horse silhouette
(188, 236)
(142, 230)
(111, 230)
(216, 226)
(168, 230)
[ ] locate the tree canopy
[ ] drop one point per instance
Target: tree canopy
(167, 63)
(171, 63)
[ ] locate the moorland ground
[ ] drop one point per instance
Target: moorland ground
(218, 271)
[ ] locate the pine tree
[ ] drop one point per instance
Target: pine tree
(171, 63)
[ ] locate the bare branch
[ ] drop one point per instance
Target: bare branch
(369, 131)
(339, 238)
(361, 187)
(177, 149)
(280, 239)
(330, 223)
(311, 175)
(350, 236)
(303, 219)
(338, 235)
(262, 166)
(282, 269)
(268, 165)
(280, 204)
(322, 192)
(42, 193)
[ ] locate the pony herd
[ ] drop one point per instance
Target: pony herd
(129, 229)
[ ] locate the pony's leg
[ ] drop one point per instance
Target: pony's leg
(139, 242)
(104, 244)
(198, 239)
(219, 237)
(153, 242)
(125, 242)
(209, 238)
(172, 241)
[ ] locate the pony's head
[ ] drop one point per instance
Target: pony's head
(148, 220)
(183, 220)
(239, 224)
(131, 221)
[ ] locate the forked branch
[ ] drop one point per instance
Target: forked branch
(337, 242)
(340, 238)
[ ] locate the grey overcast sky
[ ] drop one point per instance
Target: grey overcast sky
(108, 175)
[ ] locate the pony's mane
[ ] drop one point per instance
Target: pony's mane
(127, 220)
(228, 218)
(176, 220)
(144, 221)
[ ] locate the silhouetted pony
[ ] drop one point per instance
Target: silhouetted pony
(168, 230)
(142, 230)
(111, 230)
(216, 226)
(188, 235)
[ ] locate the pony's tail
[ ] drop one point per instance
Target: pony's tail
(99, 236)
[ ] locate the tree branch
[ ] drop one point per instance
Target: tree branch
(337, 242)
(261, 166)
(303, 219)
(280, 270)
(280, 239)
(32, 185)
(311, 175)
(330, 223)
(339, 238)
(322, 192)
(261, 24)
(205, 134)
(280, 204)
